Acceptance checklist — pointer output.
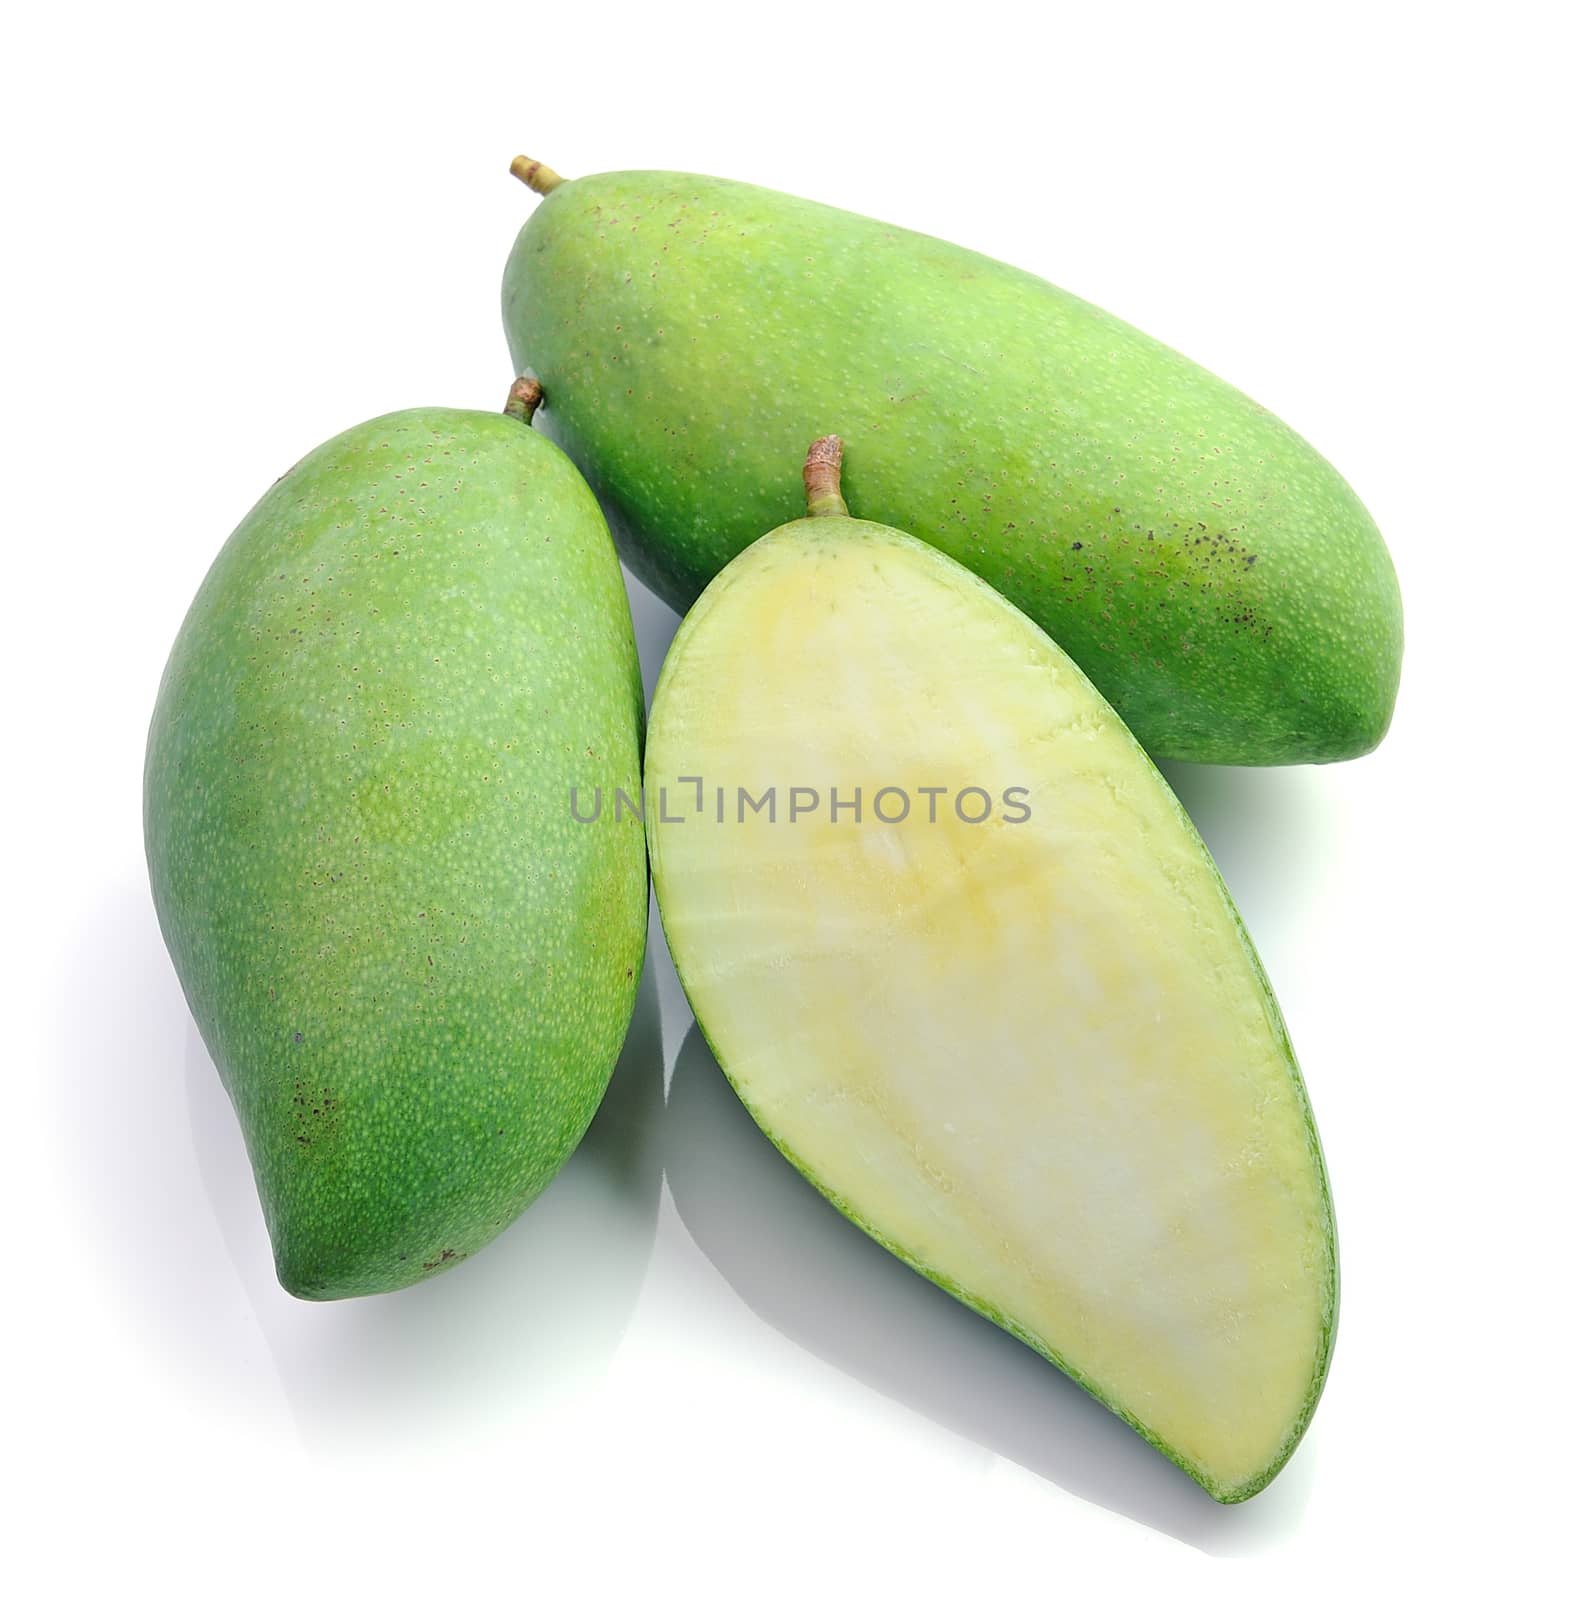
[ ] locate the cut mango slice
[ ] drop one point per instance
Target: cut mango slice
(966, 961)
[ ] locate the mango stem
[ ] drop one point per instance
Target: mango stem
(822, 478)
(525, 395)
(535, 175)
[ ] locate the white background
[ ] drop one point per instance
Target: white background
(236, 231)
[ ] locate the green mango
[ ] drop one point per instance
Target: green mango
(967, 963)
(1213, 575)
(413, 967)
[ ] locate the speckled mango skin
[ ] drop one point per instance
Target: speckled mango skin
(413, 968)
(1218, 581)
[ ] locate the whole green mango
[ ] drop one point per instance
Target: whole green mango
(1211, 573)
(413, 967)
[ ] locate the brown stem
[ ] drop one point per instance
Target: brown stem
(525, 395)
(535, 175)
(822, 478)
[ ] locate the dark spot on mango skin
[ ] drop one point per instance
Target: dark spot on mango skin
(315, 1114)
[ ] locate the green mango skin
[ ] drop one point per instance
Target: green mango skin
(413, 968)
(1212, 574)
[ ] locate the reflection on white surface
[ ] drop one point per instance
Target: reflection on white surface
(535, 1314)
(806, 1270)
(1272, 832)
